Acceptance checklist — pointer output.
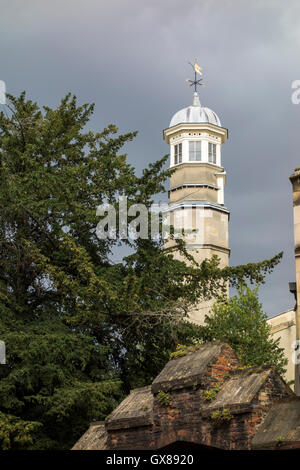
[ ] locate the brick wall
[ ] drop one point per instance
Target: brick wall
(184, 419)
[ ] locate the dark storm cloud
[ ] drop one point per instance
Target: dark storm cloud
(130, 58)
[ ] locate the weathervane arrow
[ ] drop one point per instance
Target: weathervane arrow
(196, 81)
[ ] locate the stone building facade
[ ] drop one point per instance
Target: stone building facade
(286, 325)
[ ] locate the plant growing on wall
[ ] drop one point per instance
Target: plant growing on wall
(163, 398)
(211, 393)
(221, 416)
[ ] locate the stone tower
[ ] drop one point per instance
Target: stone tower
(295, 180)
(195, 136)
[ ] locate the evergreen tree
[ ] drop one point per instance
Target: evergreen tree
(80, 330)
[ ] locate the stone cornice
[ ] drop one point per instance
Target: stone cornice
(220, 131)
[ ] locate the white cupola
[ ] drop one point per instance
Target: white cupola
(195, 135)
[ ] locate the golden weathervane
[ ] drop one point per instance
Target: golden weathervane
(197, 81)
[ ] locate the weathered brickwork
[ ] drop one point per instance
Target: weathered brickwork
(205, 398)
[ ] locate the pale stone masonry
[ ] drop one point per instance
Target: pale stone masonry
(286, 326)
(283, 326)
(295, 180)
(195, 136)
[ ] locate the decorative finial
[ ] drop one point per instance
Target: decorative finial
(196, 81)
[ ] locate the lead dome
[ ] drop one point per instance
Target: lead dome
(194, 114)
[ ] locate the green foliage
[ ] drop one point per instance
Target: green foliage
(58, 378)
(163, 398)
(241, 322)
(16, 433)
(81, 330)
(52, 177)
(182, 350)
(221, 416)
(210, 394)
(280, 441)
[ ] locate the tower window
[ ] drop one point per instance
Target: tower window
(212, 153)
(195, 151)
(177, 154)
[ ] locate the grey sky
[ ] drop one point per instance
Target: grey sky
(130, 58)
